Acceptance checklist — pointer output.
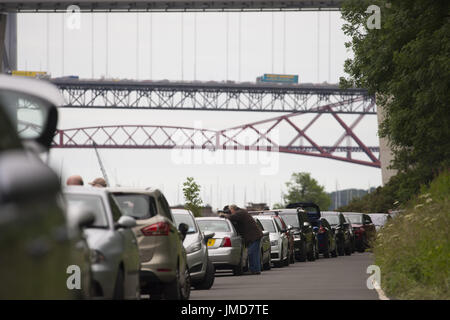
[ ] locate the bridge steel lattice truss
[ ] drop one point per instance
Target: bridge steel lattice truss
(211, 96)
(258, 136)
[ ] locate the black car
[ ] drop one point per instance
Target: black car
(326, 238)
(305, 242)
(312, 212)
(343, 231)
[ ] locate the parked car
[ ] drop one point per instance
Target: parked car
(288, 230)
(363, 228)
(379, 219)
(278, 240)
(305, 240)
(226, 249)
(201, 268)
(265, 247)
(114, 252)
(327, 238)
(352, 234)
(343, 231)
(35, 243)
(164, 266)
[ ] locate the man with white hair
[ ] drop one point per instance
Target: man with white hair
(246, 226)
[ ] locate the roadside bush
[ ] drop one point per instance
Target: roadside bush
(413, 249)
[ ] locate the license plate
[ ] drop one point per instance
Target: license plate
(211, 242)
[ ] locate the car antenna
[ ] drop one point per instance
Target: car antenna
(101, 165)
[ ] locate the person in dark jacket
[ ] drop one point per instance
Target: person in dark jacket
(246, 226)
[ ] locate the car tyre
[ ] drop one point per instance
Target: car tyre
(179, 289)
(312, 253)
(302, 256)
(239, 269)
(208, 281)
(119, 287)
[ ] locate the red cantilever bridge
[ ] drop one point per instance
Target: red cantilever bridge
(266, 135)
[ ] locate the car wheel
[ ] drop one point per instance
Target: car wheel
(302, 255)
(119, 287)
(348, 249)
(239, 269)
(208, 281)
(180, 288)
(326, 253)
(267, 266)
(341, 250)
(312, 253)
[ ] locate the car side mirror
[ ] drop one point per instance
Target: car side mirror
(208, 235)
(125, 222)
(183, 228)
(265, 233)
(290, 227)
(306, 224)
(25, 177)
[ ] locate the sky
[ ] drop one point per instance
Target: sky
(190, 47)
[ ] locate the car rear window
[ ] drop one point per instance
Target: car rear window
(138, 206)
(332, 219)
(213, 225)
(94, 203)
(185, 218)
(290, 219)
(268, 225)
(355, 218)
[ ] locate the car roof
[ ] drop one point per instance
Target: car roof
(180, 211)
(264, 217)
(330, 213)
(140, 190)
(85, 190)
(37, 88)
(211, 218)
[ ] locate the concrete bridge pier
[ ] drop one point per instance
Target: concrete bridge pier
(8, 42)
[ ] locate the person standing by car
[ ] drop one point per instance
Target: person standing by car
(75, 180)
(246, 226)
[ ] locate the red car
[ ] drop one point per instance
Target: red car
(363, 229)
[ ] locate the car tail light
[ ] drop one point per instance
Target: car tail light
(226, 242)
(156, 229)
(322, 230)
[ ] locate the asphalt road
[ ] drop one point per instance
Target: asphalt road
(343, 277)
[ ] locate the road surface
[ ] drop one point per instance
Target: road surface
(343, 277)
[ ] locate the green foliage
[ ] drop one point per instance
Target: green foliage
(278, 206)
(303, 188)
(191, 191)
(413, 249)
(406, 64)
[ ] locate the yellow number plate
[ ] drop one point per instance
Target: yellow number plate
(211, 242)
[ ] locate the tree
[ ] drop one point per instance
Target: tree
(303, 188)
(191, 191)
(406, 64)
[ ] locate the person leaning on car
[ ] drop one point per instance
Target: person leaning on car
(246, 226)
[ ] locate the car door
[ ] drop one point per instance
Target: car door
(131, 251)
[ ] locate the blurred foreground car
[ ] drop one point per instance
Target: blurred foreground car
(35, 243)
(343, 231)
(164, 267)
(201, 268)
(363, 228)
(226, 249)
(278, 240)
(114, 251)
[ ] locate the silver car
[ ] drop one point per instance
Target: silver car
(114, 252)
(278, 240)
(201, 268)
(226, 248)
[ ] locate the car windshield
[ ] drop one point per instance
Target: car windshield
(290, 219)
(355, 218)
(94, 203)
(138, 206)
(332, 219)
(378, 219)
(213, 225)
(185, 218)
(268, 225)
(28, 113)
